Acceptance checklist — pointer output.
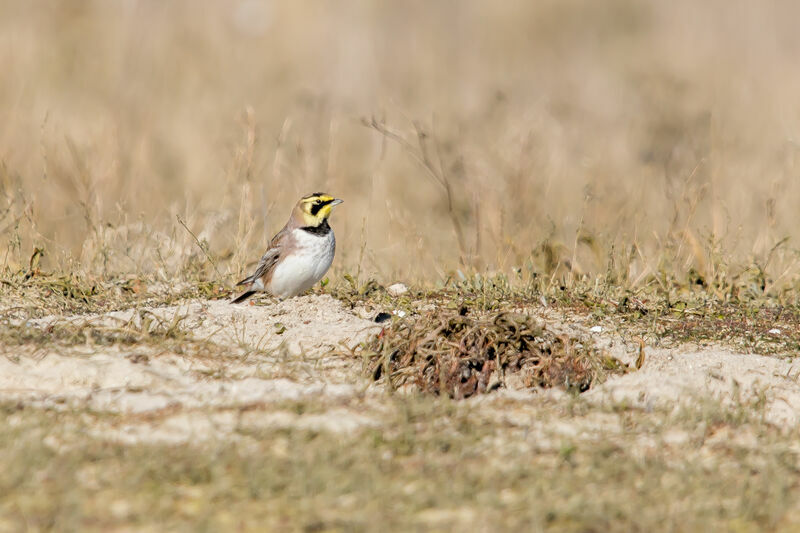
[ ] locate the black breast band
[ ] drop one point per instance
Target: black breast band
(322, 229)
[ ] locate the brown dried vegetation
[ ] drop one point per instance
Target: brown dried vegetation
(459, 354)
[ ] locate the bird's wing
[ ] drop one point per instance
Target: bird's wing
(268, 261)
(265, 266)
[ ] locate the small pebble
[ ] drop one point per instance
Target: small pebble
(596, 329)
(397, 289)
(774, 331)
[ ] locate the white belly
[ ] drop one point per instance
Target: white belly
(298, 272)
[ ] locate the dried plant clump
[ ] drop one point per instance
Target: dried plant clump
(458, 354)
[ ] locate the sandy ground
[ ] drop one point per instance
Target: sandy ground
(273, 354)
(675, 377)
(292, 351)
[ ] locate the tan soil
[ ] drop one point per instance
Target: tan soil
(169, 397)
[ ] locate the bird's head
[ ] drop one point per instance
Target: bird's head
(314, 209)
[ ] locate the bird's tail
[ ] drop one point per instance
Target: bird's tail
(242, 297)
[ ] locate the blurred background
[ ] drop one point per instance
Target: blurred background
(630, 139)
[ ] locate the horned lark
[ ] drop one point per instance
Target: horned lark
(299, 255)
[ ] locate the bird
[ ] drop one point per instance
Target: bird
(298, 255)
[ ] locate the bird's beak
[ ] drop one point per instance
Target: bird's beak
(336, 202)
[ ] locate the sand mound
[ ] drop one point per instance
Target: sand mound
(265, 354)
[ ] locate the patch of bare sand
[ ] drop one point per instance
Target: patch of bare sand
(677, 376)
(268, 355)
(686, 374)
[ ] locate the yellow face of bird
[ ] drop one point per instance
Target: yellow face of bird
(316, 208)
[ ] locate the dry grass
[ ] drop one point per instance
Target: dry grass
(434, 466)
(453, 353)
(636, 140)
